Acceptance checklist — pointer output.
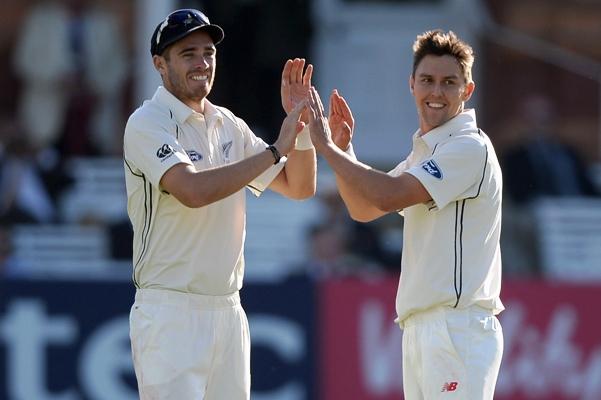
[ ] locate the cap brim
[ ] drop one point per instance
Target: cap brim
(214, 31)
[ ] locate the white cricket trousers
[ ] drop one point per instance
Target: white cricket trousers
(190, 347)
(451, 353)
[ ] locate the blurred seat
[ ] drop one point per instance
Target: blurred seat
(66, 250)
(569, 232)
(98, 191)
(276, 235)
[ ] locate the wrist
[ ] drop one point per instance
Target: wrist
(275, 153)
(350, 151)
(303, 140)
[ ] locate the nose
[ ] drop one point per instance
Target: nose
(202, 63)
(437, 89)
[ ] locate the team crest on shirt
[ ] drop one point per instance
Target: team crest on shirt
(194, 155)
(164, 151)
(226, 147)
(432, 168)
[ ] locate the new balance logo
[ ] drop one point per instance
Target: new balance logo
(164, 151)
(449, 386)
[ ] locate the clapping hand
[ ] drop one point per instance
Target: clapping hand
(318, 123)
(290, 128)
(341, 121)
(295, 85)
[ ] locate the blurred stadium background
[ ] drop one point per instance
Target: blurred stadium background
(319, 289)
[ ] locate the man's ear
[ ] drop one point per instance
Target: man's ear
(411, 83)
(160, 64)
(469, 90)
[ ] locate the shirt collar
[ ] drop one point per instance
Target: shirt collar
(462, 122)
(182, 112)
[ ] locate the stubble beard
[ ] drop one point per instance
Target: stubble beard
(183, 92)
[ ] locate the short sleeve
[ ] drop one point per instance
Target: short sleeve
(453, 172)
(152, 149)
(255, 145)
(399, 169)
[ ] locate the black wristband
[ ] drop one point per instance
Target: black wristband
(276, 154)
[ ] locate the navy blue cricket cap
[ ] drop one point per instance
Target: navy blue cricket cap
(179, 24)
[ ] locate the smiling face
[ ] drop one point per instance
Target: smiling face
(187, 68)
(440, 89)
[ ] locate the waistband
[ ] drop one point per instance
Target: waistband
(191, 300)
(440, 313)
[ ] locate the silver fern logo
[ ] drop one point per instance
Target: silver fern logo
(226, 147)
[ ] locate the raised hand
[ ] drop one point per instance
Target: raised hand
(290, 128)
(295, 84)
(341, 121)
(318, 123)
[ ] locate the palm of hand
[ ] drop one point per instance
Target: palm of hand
(296, 93)
(341, 131)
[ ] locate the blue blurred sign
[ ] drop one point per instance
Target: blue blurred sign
(69, 340)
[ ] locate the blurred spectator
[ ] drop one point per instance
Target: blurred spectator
(329, 255)
(339, 246)
(71, 59)
(24, 197)
(542, 165)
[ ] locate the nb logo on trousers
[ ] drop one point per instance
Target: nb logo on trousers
(449, 386)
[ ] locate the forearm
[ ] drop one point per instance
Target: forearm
(358, 207)
(200, 188)
(297, 179)
(368, 193)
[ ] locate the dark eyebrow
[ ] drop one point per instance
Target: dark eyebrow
(193, 48)
(422, 75)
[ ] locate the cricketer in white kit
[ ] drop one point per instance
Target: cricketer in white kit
(449, 190)
(187, 163)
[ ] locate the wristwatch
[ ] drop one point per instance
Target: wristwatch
(276, 154)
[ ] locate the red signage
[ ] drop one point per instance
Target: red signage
(552, 338)
(552, 335)
(361, 345)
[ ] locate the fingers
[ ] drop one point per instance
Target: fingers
(342, 108)
(315, 103)
(299, 70)
(286, 72)
(321, 107)
(295, 72)
(307, 76)
(335, 100)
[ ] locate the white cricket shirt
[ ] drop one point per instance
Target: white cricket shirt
(193, 250)
(451, 255)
